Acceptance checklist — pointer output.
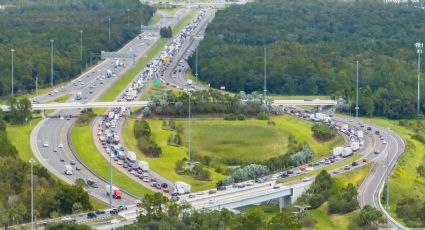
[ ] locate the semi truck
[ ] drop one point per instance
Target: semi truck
(131, 156)
(68, 170)
(78, 96)
(182, 187)
(116, 192)
(337, 151)
(143, 165)
(347, 152)
(108, 73)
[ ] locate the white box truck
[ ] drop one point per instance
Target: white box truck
(347, 152)
(360, 134)
(143, 165)
(182, 186)
(337, 151)
(355, 146)
(68, 170)
(131, 156)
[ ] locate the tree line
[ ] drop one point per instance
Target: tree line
(28, 26)
(312, 48)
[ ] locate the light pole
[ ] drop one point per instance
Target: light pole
(265, 71)
(110, 180)
(388, 171)
(109, 41)
(419, 46)
(13, 69)
(188, 136)
(128, 18)
(32, 161)
(36, 86)
(81, 51)
(51, 62)
(357, 90)
(196, 64)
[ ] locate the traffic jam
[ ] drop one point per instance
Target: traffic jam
(108, 126)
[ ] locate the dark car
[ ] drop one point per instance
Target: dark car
(284, 174)
(221, 188)
(100, 212)
(121, 208)
(369, 128)
(354, 164)
(290, 172)
(113, 212)
(91, 215)
(212, 191)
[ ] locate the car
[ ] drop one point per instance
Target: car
(276, 187)
(191, 196)
(376, 152)
(55, 150)
(113, 211)
(61, 159)
(115, 221)
(121, 208)
(91, 215)
(100, 212)
(335, 172)
(92, 183)
(145, 179)
(364, 160)
(175, 198)
(72, 162)
(212, 191)
(354, 164)
(45, 144)
(166, 190)
(221, 188)
(212, 201)
(77, 168)
(384, 142)
(60, 146)
(369, 128)
(347, 167)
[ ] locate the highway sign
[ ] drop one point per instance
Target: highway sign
(105, 55)
(156, 82)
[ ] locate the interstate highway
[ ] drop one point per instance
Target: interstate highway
(52, 128)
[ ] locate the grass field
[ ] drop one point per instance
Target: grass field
(298, 97)
(405, 181)
(184, 21)
(82, 141)
(250, 139)
(165, 164)
(60, 99)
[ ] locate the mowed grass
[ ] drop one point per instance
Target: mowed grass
(60, 99)
(179, 26)
(405, 182)
(82, 141)
(299, 97)
(247, 141)
(165, 164)
(19, 136)
(301, 129)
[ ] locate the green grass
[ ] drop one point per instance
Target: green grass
(82, 141)
(326, 221)
(177, 28)
(155, 19)
(269, 210)
(299, 97)
(60, 99)
(19, 136)
(248, 140)
(405, 181)
(165, 164)
(97, 204)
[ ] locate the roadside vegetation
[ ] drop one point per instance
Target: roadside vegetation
(312, 48)
(28, 27)
(407, 185)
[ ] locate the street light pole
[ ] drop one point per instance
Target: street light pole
(388, 172)
(357, 90)
(128, 18)
(265, 71)
(13, 72)
(196, 64)
(81, 51)
(51, 63)
(109, 20)
(36, 86)
(188, 136)
(110, 180)
(419, 46)
(32, 161)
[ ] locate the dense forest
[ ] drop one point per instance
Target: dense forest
(28, 26)
(312, 48)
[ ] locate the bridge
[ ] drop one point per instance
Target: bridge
(234, 198)
(113, 104)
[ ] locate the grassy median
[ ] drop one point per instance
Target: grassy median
(83, 143)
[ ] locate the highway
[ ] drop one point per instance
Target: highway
(55, 131)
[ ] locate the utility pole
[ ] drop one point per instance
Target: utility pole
(51, 63)
(110, 180)
(265, 72)
(36, 86)
(388, 172)
(196, 64)
(188, 136)
(419, 46)
(13, 69)
(128, 18)
(357, 90)
(109, 41)
(81, 51)
(32, 161)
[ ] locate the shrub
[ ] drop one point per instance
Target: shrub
(230, 117)
(241, 117)
(263, 116)
(323, 132)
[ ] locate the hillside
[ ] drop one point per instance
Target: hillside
(28, 26)
(312, 50)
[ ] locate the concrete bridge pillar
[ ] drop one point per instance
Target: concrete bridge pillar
(284, 202)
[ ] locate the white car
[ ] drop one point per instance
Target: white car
(384, 142)
(212, 201)
(45, 144)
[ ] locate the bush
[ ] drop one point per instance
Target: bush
(263, 116)
(323, 132)
(230, 117)
(419, 137)
(421, 170)
(145, 142)
(248, 172)
(241, 117)
(85, 117)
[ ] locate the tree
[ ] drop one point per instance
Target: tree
(283, 220)
(370, 216)
(254, 219)
(67, 226)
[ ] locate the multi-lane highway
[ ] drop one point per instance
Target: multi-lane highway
(53, 132)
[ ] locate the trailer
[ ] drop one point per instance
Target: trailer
(360, 134)
(347, 152)
(355, 145)
(143, 165)
(337, 151)
(185, 187)
(131, 156)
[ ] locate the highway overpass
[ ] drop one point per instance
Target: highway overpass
(113, 104)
